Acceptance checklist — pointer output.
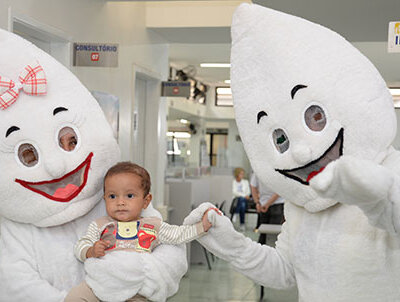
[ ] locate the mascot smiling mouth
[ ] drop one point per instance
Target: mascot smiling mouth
(305, 173)
(65, 188)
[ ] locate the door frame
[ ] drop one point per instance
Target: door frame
(155, 150)
(60, 42)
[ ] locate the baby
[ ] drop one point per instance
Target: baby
(127, 193)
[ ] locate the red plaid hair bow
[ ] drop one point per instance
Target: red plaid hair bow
(32, 81)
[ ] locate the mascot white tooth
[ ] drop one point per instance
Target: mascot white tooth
(55, 147)
(317, 123)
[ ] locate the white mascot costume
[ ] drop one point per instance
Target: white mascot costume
(55, 147)
(317, 122)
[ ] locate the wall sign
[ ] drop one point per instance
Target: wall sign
(176, 88)
(95, 54)
(394, 37)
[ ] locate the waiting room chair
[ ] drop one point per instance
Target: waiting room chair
(251, 207)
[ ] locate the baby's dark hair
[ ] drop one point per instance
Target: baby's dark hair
(128, 167)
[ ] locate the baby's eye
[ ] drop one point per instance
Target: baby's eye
(130, 195)
(112, 196)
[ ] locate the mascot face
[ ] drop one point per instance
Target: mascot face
(55, 146)
(303, 97)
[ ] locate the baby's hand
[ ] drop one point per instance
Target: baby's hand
(98, 249)
(206, 223)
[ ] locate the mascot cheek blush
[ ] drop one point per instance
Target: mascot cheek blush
(55, 147)
(317, 123)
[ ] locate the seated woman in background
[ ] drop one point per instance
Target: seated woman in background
(240, 190)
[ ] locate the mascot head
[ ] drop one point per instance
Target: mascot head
(55, 143)
(303, 97)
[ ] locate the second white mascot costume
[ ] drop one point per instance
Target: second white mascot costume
(55, 147)
(317, 122)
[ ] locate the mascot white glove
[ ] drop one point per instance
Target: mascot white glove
(373, 188)
(245, 255)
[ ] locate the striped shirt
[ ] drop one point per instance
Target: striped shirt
(168, 234)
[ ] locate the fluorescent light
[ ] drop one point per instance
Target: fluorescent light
(170, 152)
(216, 65)
(224, 96)
(183, 121)
(182, 134)
(179, 134)
(227, 81)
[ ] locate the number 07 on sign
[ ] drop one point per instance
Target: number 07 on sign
(394, 37)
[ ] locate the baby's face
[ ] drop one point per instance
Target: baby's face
(124, 197)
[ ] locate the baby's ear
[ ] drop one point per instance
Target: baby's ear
(147, 200)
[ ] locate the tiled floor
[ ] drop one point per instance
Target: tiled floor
(222, 283)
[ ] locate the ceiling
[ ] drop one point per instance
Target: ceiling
(356, 20)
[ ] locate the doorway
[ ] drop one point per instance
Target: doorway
(149, 127)
(139, 115)
(51, 40)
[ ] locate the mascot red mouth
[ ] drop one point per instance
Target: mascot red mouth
(65, 188)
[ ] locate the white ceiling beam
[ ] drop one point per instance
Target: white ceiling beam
(190, 14)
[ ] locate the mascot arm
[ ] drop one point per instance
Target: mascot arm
(19, 278)
(373, 188)
(122, 274)
(263, 264)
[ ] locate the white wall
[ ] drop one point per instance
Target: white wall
(388, 64)
(109, 22)
(236, 155)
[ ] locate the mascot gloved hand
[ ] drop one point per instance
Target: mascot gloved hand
(242, 253)
(55, 147)
(221, 239)
(373, 188)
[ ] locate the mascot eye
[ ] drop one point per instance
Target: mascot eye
(281, 140)
(67, 139)
(315, 118)
(28, 155)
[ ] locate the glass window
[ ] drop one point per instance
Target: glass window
(223, 96)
